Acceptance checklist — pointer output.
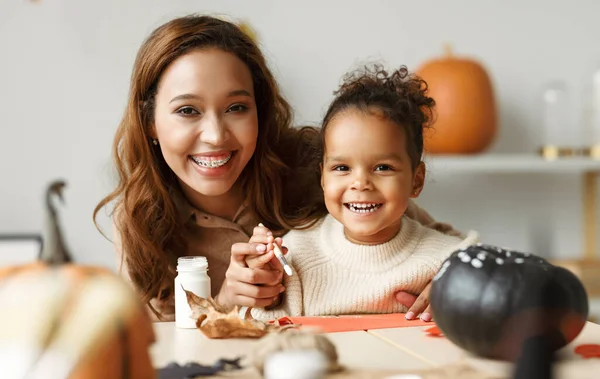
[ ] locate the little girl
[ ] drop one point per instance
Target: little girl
(365, 250)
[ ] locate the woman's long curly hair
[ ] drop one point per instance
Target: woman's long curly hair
(400, 96)
(151, 232)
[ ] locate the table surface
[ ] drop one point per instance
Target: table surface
(375, 353)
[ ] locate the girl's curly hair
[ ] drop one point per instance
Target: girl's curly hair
(399, 96)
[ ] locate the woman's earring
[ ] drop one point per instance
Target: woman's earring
(155, 141)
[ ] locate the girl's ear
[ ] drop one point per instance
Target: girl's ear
(418, 180)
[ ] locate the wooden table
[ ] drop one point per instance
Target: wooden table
(368, 354)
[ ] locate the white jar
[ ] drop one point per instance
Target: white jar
(192, 274)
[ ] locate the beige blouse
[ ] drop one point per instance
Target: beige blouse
(213, 236)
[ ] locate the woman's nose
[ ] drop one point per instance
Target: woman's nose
(213, 131)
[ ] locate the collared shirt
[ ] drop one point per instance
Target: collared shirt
(212, 236)
(206, 235)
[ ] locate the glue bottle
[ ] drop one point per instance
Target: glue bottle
(192, 275)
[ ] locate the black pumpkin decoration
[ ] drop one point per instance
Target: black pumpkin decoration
(490, 301)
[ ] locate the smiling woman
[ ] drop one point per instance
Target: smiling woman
(205, 151)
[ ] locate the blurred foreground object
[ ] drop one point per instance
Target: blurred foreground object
(71, 322)
(465, 121)
(295, 364)
(275, 355)
(191, 370)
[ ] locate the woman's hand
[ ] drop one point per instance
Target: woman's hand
(262, 235)
(257, 283)
(416, 305)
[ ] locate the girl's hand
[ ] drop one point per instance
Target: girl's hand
(417, 305)
(252, 287)
(262, 235)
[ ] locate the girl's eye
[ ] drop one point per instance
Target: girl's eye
(383, 167)
(187, 111)
(237, 108)
(341, 168)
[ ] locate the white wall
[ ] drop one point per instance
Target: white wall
(65, 66)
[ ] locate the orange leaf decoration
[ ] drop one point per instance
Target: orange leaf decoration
(215, 322)
(248, 30)
(434, 331)
(588, 350)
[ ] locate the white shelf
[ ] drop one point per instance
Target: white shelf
(509, 163)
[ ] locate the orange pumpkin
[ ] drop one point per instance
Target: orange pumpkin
(72, 322)
(465, 108)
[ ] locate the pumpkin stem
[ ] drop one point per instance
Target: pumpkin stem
(54, 248)
(448, 51)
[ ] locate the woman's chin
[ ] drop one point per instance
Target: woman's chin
(207, 188)
(214, 189)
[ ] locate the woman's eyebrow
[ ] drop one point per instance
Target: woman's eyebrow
(191, 96)
(239, 92)
(185, 96)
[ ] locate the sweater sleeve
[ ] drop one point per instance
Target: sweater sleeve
(291, 304)
(424, 218)
(437, 247)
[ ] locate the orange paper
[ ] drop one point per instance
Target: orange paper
(434, 331)
(588, 350)
(350, 323)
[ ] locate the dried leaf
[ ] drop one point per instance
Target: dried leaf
(215, 322)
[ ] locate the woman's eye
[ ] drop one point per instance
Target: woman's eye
(341, 168)
(187, 111)
(383, 167)
(237, 108)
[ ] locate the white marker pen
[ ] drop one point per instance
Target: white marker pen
(280, 256)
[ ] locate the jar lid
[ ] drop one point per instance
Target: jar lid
(192, 263)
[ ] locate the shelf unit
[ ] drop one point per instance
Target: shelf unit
(510, 163)
(588, 266)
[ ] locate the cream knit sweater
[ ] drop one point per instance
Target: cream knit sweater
(333, 276)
